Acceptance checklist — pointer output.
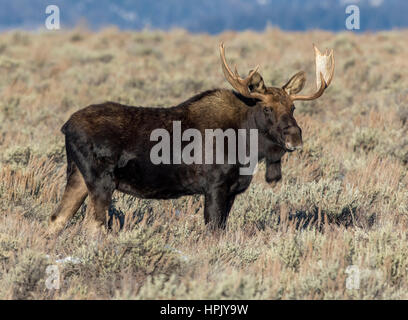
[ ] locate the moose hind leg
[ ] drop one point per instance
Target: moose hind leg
(74, 195)
(100, 194)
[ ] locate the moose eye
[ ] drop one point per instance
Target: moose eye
(292, 109)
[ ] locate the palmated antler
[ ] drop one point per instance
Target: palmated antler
(324, 74)
(239, 84)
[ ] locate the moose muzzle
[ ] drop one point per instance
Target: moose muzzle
(293, 138)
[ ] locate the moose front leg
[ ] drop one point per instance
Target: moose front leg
(100, 190)
(217, 206)
(273, 171)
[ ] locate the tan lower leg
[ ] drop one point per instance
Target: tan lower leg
(74, 195)
(96, 215)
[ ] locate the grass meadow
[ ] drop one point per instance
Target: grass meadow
(342, 202)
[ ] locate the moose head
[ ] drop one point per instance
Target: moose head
(277, 118)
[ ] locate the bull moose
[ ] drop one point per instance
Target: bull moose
(109, 145)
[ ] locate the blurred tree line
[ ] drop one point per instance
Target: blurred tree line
(210, 16)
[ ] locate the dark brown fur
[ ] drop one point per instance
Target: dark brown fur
(108, 149)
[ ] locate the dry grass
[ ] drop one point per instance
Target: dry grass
(343, 200)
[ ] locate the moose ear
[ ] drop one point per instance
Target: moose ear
(256, 84)
(295, 84)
